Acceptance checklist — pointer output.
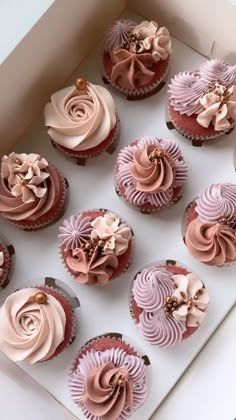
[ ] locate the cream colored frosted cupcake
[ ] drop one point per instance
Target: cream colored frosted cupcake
(82, 120)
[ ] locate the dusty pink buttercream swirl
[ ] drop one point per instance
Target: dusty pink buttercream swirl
(152, 175)
(94, 384)
(80, 120)
(97, 269)
(126, 180)
(29, 187)
(31, 331)
(107, 391)
(150, 290)
(211, 243)
(216, 201)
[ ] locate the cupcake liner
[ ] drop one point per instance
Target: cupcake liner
(198, 140)
(139, 93)
(176, 268)
(185, 222)
(57, 213)
(128, 253)
(5, 279)
(108, 145)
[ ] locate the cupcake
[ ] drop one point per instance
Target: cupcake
(96, 246)
(36, 324)
(6, 253)
(32, 192)
(210, 225)
(82, 120)
(168, 303)
(108, 379)
(202, 103)
(136, 57)
(150, 174)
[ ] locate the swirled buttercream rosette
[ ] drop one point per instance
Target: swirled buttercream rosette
(168, 303)
(202, 103)
(37, 323)
(136, 57)
(96, 246)
(108, 379)
(82, 120)
(32, 191)
(150, 174)
(209, 225)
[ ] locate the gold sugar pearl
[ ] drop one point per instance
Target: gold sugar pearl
(40, 298)
(80, 83)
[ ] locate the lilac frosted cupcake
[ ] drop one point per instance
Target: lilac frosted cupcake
(202, 103)
(108, 379)
(168, 302)
(210, 225)
(150, 174)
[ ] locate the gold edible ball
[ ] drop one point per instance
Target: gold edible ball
(80, 83)
(121, 382)
(101, 243)
(160, 153)
(40, 298)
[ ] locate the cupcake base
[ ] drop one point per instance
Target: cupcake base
(161, 69)
(188, 127)
(108, 145)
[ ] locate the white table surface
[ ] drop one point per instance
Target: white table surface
(205, 392)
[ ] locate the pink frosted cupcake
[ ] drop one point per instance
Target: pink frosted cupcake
(37, 323)
(6, 253)
(82, 121)
(150, 174)
(136, 57)
(168, 303)
(108, 379)
(202, 103)
(32, 192)
(210, 225)
(96, 246)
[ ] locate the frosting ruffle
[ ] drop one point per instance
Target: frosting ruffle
(90, 270)
(29, 187)
(216, 201)
(115, 235)
(80, 120)
(152, 169)
(75, 231)
(31, 331)
(133, 393)
(126, 180)
(154, 39)
(211, 243)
